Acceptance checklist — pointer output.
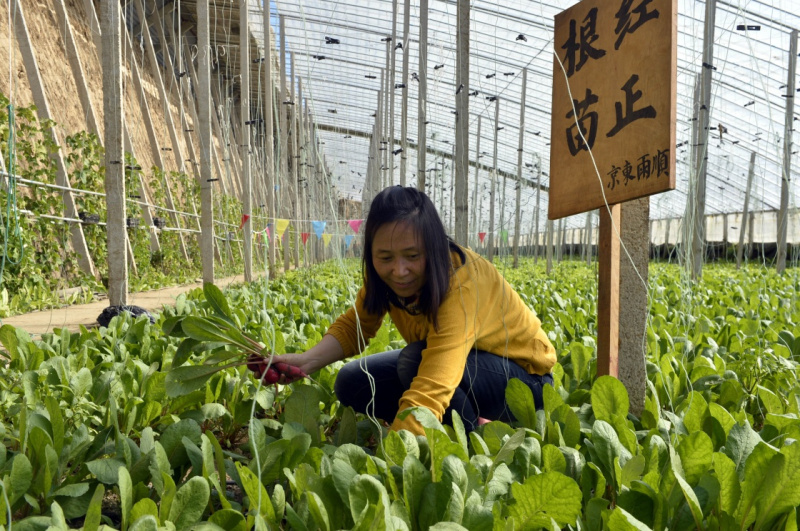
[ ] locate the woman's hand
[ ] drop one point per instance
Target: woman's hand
(287, 368)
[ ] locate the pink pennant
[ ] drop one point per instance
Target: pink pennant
(481, 235)
(355, 224)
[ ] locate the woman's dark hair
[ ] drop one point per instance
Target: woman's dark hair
(409, 205)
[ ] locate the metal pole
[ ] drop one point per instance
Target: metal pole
(745, 213)
(462, 125)
(519, 165)
(422, 140)
(269, 139)
(473, 228)
(698, 239)
(392, 81)
(538, 163)
(783, 215)
(244, 112)
(404, 105)
(490, 253)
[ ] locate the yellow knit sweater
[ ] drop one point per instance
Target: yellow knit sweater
(480, 309)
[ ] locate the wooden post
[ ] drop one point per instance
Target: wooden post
(404, 93)
(608, 292)
(244, 139)
(43, 110)
(422, 97)
(114, 155)
(519, 164)
(745, 213)
(204, 126)
(783, 214)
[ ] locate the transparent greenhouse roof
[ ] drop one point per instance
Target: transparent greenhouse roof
(748, 90)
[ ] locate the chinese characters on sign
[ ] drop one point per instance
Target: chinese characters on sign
(613, 101)
(646, 166)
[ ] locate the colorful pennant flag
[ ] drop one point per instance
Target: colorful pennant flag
(481, 236)
(282, 225)
(355, 224)
(326, 238)
(245, 217)
(504, 235)
(305, 236)
(319, 227)
(348, 239)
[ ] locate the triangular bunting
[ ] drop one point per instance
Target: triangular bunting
(348, 239)
(481, 236)
(504, 235)
(305, 236)
(355, 224)
(282, 225)
(245, 218)
(319, 228)
(326, 238)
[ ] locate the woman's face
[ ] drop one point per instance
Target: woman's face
(398, 256)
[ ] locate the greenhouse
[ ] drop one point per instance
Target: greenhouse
(399, 264)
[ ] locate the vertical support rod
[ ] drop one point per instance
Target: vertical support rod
(473, 226)
(269, 139)
(538, 163)
(493, 191)
(244, 139)
(422, 97)
(111, 25)
(462, 124)
(404, 101)
(519, 164)
(392, 74)
(204, 119)
(745, 213)
(783, 215)
(388, 143)
(698, 237)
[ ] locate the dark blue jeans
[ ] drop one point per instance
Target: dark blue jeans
(374, 384)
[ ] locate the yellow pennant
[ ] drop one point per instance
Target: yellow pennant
(281, 225)
(326, 238)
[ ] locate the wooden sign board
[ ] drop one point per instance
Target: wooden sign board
(620, 58)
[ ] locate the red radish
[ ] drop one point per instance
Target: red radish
(290, 371)
(271, 376)
(256, 364)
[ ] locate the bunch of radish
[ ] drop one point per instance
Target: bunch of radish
(271, 373)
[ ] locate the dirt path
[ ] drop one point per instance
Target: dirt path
(71, 317)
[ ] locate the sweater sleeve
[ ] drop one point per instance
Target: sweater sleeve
(354, 328)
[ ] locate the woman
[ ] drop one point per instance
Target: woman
(468, 331)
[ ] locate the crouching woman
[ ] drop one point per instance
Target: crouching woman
(467, 331)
